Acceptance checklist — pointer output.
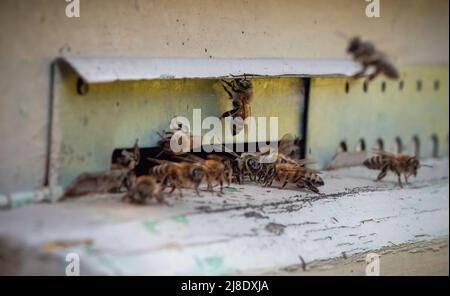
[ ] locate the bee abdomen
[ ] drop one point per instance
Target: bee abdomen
(314, 179)
(390, 71)
(375, 163)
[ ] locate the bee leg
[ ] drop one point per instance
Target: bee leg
(221, 186)
(126, 197)
(400, 180)
(228, 92)
(197, 191)
(284, 184)
(374, 74)
(382, 173)
(361, 73)
(311, 187)
(227, 83)
(161, 200)
(174, 186)
(406, 179)
(283, 180)
(231, 113)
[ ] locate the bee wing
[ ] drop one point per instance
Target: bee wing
(381, 152)
(159, 161)
(287, 145)
(295, 169)
(302, 162)
(137, 153)
(222, 147)
(426, 165)
(192, 158)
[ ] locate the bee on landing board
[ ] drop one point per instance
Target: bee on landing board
(128, 161)
(121, 174)
(285, 154)
(144, 189)
(178, 175)
(246, 164)
(302, 177)
(217, 170)
(240, 91)
(397, 163)
(365, 53)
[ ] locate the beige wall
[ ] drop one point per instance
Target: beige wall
(36, 31)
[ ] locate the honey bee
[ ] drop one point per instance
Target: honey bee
(240, 91)
(367, 55)
(128, 161)
(100, 182)
(145, 188)
(179, 175)
(122, 174)
(246, 164)
(285, 173)
(217, 169)
(397, 163)
(186, 144)
(285, 153)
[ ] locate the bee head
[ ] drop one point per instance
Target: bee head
(197, 174)
(228, 171)
(354, 44)
(413, 165)
(254, 166)
(243, 83)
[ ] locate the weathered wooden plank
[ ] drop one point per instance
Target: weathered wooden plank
(254, 228)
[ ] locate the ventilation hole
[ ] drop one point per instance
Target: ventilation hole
(365, 86)
(380, 145)
(343, 147)
(398, 145)
(416, 146)
(434, 146)
(401, 85)
(347, 87)
(437, 85)
(383, 86)
(82, 87)
(419, 85)
(361, 146)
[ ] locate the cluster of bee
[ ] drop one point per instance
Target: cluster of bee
(189, 171)
(181, 170)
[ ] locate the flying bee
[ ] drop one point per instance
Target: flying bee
(285, 173)
(179, 175)
(240, 91)
(365, 53)
(145, 188)
(397, 163)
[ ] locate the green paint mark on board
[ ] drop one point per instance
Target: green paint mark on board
(214, 263)
(181, 219)
(150, 226)
(231, 189)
